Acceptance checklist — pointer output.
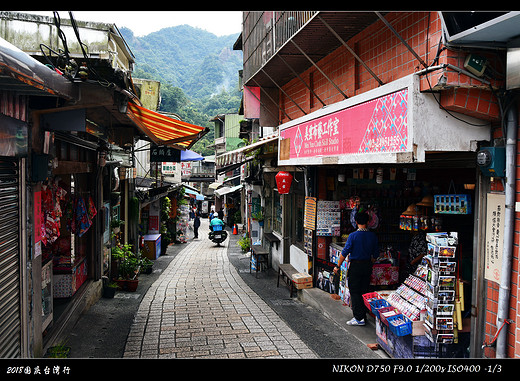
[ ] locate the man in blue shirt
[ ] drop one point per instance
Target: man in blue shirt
(215, 221)
(362, 249)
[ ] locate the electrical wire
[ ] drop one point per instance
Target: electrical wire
(439, 50)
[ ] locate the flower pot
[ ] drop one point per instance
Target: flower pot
(109, 292)
(128, 284)
(131, 285)
(121, 283)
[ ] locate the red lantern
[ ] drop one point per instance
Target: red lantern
(283, 182)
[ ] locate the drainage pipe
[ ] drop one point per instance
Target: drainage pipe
(510, 190)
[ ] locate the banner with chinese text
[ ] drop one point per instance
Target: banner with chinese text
(376, 126)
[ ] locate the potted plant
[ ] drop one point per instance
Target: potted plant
(259, 217)
(244, 243)
(130, 264)
(146, 265)
(109, 288)
(116, 225)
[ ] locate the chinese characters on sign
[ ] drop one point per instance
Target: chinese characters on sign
(494, 236)
(160, 154)
(310, 213)
(376, 126)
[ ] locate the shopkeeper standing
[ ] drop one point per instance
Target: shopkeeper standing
(361, 249)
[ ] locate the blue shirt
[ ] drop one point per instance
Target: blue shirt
(216, 221)
(361, 245)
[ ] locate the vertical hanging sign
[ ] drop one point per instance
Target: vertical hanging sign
(494, 236)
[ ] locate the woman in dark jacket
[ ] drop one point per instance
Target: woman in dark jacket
(196, 224)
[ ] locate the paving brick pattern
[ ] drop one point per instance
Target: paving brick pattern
(200, 307)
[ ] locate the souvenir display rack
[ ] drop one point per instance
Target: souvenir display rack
(440, 265)
(328, 218)
(182, 224)
(426, 305)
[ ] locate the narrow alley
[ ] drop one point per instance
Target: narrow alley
(201, 302)
(200, 307)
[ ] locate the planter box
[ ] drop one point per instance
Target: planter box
(127, 284)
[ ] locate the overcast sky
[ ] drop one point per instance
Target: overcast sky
(220, 23)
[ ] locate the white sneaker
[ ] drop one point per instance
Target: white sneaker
(354, 321)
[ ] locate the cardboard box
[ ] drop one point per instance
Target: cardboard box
(301, 286)
(301, 278)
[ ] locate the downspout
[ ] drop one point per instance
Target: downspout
(510, 190)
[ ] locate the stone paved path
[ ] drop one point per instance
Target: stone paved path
(201, 308)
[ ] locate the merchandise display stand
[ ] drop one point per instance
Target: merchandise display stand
(427, 306)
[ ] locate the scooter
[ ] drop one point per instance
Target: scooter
(218, 234)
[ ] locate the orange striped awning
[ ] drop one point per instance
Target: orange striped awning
(163, 130)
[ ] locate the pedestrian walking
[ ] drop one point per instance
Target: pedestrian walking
(361, 249)
(196, 224)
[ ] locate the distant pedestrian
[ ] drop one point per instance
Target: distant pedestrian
(196, 224)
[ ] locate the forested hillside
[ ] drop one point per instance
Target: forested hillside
(198, 72)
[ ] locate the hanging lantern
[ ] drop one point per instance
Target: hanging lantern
(283, 182)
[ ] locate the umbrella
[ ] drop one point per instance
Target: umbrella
(189, 155)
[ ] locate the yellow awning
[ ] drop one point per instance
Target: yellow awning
(163, 130)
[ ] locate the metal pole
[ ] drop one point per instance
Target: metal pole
(510, 190)
(316, 66)
(351, 51)
(301, 79)
(288, 96)
(276, 103)
(402, 39)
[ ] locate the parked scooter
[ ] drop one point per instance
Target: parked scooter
(218, 234)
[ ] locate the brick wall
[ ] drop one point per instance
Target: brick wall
(379, 48)
(390, 60)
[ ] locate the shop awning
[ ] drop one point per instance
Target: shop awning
(214, 185)
(22, 74)
(189, 155)
(226, 190)
(163, 130)
(196, 195)
(237, 157)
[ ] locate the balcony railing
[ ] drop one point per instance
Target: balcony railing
(264, 33)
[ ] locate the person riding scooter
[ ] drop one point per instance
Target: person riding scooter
(217, 233)
(215, 221)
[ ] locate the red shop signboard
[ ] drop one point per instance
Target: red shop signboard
(376, 126)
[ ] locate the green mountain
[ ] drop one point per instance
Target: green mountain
(198, 72)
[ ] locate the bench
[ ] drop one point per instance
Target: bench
(261, 256)
(287, 271)
(272, 239)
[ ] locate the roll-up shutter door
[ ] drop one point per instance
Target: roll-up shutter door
(10, 328)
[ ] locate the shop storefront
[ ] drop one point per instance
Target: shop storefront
(393, 153)
(68, 227)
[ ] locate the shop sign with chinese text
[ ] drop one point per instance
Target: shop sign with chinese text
(494, 236)
(376, 126)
